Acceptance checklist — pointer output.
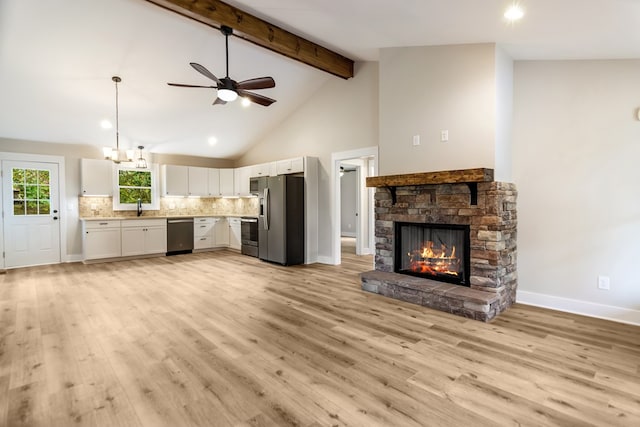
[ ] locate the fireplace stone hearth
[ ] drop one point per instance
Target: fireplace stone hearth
(467, 197)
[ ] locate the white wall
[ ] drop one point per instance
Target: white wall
(424, 90)
(504, 116)
(576, 157)
(342, 115)
(348, 201)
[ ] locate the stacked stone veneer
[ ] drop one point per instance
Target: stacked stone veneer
(492, 222)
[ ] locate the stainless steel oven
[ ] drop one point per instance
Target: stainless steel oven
(249, 235)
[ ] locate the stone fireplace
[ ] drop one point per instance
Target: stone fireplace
(446, 240)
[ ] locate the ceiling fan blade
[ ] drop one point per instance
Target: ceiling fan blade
(183, 85)
(257, 83)
(255, 98)
(219, 101)
(199, 68)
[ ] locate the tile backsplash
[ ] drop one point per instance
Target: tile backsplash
(103, 207)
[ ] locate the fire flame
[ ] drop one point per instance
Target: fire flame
(430, 261)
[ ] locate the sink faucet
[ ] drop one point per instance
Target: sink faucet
(139, 206)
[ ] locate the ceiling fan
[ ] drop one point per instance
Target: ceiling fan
(229, 89)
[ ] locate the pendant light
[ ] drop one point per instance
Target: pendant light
(141, 162)
(114, 153)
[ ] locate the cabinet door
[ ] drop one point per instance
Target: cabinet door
(155, 240)
(221, 231)
(241, 181)
(198, 181)
(175, 180)
(234, 233)
(132, 241)
(226, 182)
(213, 176)
(101, 243)
(284, 167)
(96, 177)
(262, 169)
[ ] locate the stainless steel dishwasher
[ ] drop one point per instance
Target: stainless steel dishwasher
(179, 236)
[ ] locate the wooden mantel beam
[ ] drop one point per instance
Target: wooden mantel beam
(215, 13)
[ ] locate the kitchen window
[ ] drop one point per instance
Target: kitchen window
(132, 184)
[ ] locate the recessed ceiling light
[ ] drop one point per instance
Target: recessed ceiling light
(106, 124)
(213, 140)
(514, 13)
(246, 102)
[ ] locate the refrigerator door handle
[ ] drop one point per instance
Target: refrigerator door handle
(266, 208)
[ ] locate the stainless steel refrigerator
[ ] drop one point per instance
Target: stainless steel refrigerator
(281, 219)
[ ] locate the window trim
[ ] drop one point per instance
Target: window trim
(155, 193)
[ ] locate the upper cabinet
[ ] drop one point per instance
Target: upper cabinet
(227, 179)
(263, 169)
(194, 181)
(213, 177)
(175, 180)
(198, 181)
(285, 167)
(241, 181)
(96, 177)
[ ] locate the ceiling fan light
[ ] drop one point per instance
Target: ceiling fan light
(246, 102)
(227, 95)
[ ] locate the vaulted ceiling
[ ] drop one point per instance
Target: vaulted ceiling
(57, 58)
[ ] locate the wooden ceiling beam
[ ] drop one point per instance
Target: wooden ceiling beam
(215, 13)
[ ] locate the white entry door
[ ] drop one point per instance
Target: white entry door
(31, 213)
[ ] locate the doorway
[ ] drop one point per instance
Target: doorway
(356, 209)
(31, 213)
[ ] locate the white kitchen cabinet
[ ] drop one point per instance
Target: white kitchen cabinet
(198, 181)
(241, 181)
(221, 232)
(143, 236)
(234, 233)
(227, 182)
(213, 178)
(285, 167)
(175, 180)
(100, 239)
(203, 234)
(263, 169)
(96, 177)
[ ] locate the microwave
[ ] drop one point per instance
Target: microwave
(254, 186)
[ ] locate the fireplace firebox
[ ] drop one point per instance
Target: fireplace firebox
(433, 251)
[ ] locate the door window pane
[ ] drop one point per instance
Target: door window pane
(31, 192)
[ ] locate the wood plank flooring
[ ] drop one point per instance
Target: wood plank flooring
(221, 339)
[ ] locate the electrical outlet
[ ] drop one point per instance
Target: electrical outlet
(416, 140)
(603, 282)
(444, 135)
(94, 206)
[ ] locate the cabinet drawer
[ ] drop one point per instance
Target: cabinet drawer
(144, 223)
(202, 242)
(202, 229)
(96, 225)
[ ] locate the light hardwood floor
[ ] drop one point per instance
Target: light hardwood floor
(221, 339)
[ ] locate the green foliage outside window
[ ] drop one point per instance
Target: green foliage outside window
(31, 192)
(134, 185)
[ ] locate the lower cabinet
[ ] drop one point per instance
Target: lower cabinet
(234, 233)
(209, 233)
(203, 237)
(221, 231)
(144, 237)
(101, 239)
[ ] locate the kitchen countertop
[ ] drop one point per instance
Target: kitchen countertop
(114, 218)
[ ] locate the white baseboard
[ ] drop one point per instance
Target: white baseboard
(601, 311)
(325, 260)
(73, 258)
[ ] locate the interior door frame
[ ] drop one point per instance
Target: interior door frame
(337, 158)
(59, 160)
